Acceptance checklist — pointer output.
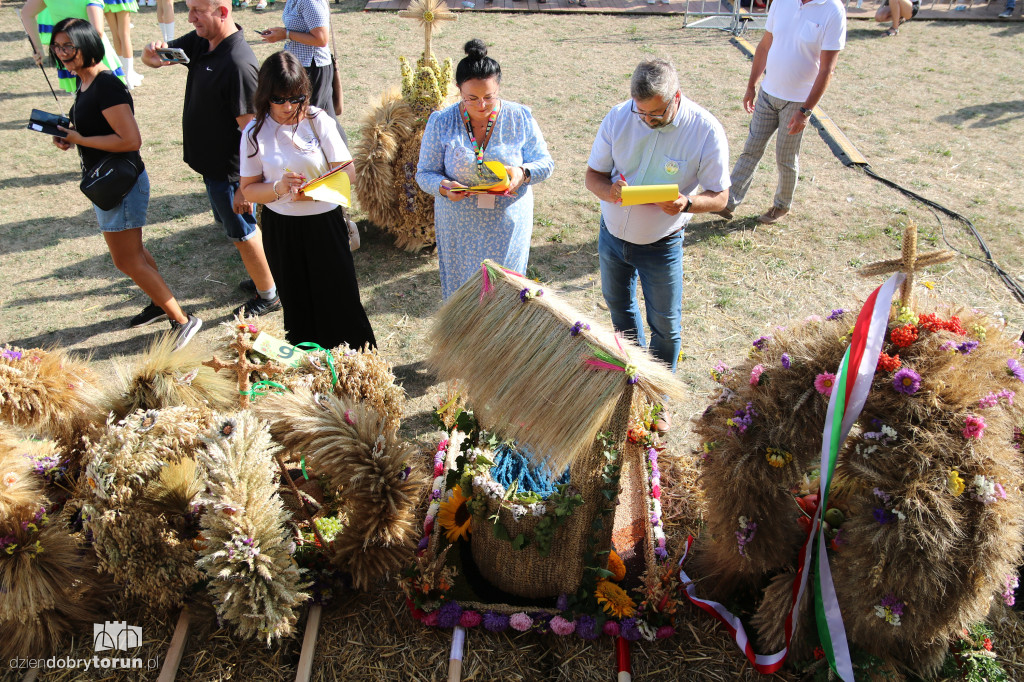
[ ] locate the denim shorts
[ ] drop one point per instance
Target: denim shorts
(130, 213)
(221, 193)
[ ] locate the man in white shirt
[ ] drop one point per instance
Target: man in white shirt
(797, 55)
(657, 137)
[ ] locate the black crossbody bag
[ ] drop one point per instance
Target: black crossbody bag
(108, 182)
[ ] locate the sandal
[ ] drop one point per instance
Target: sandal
(892, 32)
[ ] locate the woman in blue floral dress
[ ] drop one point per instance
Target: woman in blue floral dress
(457, 140)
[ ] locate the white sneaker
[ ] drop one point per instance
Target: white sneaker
(134, 79)
(1007, 14)
(262, 4)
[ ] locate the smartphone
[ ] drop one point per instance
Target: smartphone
(175, 55)
(261, 33)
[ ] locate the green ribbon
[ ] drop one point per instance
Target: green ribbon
(327, 354)
(256, 390)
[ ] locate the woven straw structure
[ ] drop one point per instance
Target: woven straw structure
(912, 533)
(527, 375)
(525, 572)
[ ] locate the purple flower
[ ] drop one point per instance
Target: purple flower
(562, 603)
(435, 494)
(907, 381)
(836, 314)
(883, 516)
(760, 342)
(10, 354)
(966, 347)
(586, 627)
(628, 630)
(948, 345)
(894, 604)
(449, 614)
(661, 553)
(422, 543)
(786, 362)
(742, 419)
(611, 628)
(1014, 369)
(579, 327)
(495, 622)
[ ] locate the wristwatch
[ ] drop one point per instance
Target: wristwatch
(526, 175)
(805, 111)
(689, 203)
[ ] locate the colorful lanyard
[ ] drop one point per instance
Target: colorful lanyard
(487, 134)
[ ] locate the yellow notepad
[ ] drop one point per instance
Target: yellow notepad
(648, 194)
(333, 187)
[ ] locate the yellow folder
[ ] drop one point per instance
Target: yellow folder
(648, 194)
(499, 187)
(333, 187)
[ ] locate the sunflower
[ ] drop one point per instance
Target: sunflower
(454, 516)
(614, 599)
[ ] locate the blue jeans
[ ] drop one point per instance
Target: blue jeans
(660, 269)
(221, 193)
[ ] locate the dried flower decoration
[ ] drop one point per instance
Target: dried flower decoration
(824, 382)
(786, 362)
(760, 342)
(227, 428)
(974, 426)
(1010, 585)
(579, 327)
(778, 457)
(907, 381)
(889, 363)
(986, 490)
(755, 375)
(904, 336)
(746, 533)
(1014, 369)
(890, 610)
(525, 294)
(836, 314)
(148, 420)
(954, 484)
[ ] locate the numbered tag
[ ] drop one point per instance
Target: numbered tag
(279, 350)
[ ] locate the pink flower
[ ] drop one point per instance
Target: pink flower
(824, 382)
(430, 620)
(470, 619)
(656, 492)
(438, 469)
(973, 426)
(520, 621)
(349, 419)
(611, 628)
(665, 631)
(253, 329)
(755, 375)
(561, 626)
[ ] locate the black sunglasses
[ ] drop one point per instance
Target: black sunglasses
(291, 100)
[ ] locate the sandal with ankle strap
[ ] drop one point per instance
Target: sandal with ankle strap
(892, 32)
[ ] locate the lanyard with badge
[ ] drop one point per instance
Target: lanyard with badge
(483, 200)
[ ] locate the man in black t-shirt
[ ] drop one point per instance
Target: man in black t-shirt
(218, 105)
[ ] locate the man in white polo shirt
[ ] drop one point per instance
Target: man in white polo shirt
(657, 137)
(797, 54)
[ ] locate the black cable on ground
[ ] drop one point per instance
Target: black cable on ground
(1012, 284)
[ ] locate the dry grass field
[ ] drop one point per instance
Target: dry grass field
(940, 110)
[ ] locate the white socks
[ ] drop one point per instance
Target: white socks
(167, 30)
(134, 79)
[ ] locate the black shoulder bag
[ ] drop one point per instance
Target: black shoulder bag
(108, 182)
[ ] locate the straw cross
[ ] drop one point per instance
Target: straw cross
(243, 366)
(428, 13)
(909, 263)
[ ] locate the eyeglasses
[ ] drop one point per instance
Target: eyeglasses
(652, 114)
(69, 49)
(291, 100)
(488, 99)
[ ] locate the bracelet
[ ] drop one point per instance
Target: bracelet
(274, 187)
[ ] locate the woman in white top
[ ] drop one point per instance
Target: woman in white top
(287, 143)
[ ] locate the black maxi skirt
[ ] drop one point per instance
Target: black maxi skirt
(316, 279)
